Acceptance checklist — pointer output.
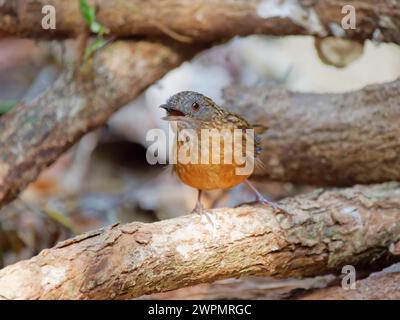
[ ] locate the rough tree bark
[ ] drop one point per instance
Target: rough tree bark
(207, 20)
(331, 139)
(34, 135)
(316, 234)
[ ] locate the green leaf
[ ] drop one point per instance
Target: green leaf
(89, 15)
(6, 106)
(93, 47)
(95, 27)
(87, 12)
(103, 30)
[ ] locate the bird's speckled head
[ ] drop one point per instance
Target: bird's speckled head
(190, 104)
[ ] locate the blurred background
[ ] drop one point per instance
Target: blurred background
(105, 177)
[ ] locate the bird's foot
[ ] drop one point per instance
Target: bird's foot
(199, 209)
(264, 201)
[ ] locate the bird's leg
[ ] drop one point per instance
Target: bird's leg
(199, 208)
(261, 198)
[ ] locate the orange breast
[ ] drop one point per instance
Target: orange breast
(209, 176)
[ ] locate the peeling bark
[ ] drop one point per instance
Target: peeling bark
(325, 139)
(207, 20)
(316, 234)
(34, 135)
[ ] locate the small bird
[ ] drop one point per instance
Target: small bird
(192, 110)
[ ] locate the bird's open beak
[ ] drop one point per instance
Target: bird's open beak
(165, 107)
(171, 112)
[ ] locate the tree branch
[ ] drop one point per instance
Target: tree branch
(325, 139)
(202, 20)
(34, 135)
(318, 233)
(245, 288)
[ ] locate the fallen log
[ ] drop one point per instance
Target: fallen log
(325, 139)
(35, 134)
(314, 234)
(204, 20)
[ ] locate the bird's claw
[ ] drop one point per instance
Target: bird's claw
(264, 201)
(199, 209)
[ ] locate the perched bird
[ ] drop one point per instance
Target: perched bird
(194, 111)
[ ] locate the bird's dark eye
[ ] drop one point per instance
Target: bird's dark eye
(195, 106)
